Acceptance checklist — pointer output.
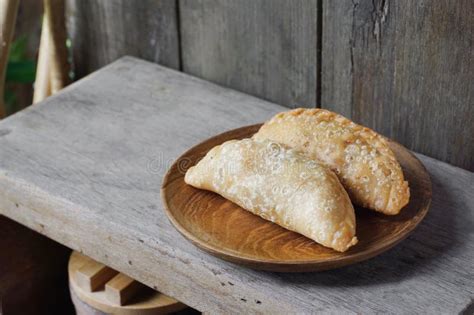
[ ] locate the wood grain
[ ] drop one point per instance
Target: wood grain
(402, 68)
(225, 230)
(93, 276)
(103, 31)
(121, 289)
(148, 302)
(265, 48)
(85, 168)
(405, 69)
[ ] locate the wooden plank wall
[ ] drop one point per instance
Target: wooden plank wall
(404, 68)
(103, 31)
(266, 48)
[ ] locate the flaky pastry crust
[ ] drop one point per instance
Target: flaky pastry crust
(280, 185)
(361, 158)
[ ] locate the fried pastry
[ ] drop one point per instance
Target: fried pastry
(280, 185)
(362, 159)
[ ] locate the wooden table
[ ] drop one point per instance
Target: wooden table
(85, 168)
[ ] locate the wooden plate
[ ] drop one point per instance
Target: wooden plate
(225, 230)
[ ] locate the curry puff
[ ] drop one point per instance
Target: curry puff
(362, 159)
(281, 185)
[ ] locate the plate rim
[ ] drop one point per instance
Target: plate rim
(281, 266)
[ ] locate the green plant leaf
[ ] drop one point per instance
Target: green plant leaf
(18, 49)
(10, 100)
(21, 71)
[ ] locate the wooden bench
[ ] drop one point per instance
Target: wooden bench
(85, 167)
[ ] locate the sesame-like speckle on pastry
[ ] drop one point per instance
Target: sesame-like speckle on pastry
(361, 158)
(281, 185)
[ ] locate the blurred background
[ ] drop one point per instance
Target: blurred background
(21, 68)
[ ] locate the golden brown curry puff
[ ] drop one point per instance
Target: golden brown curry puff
(362, 159)
(281, 185)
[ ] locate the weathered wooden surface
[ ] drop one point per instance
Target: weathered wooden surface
(265, 48)
(85, 168)
(404, 68)
(102, 31)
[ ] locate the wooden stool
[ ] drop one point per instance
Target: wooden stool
(97, 289)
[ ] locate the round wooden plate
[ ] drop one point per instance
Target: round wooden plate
(225, 230)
